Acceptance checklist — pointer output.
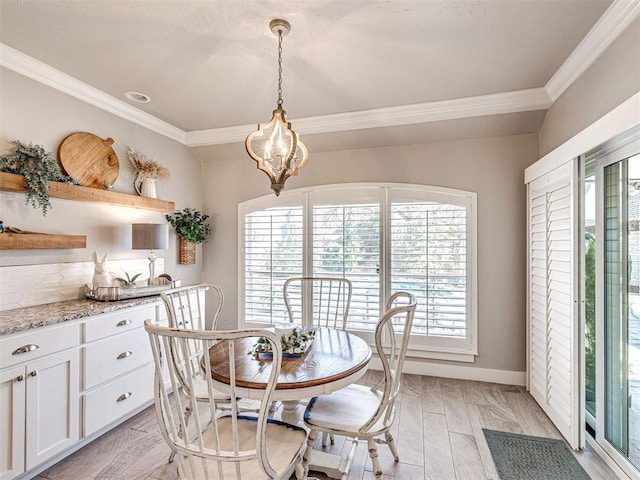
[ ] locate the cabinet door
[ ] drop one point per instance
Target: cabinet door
(12, 398)
(52, 406)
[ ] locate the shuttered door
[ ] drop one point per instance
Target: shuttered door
(553, 319)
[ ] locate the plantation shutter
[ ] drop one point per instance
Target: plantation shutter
(346, 243)
(273, 248)
(429, 259)
(553, 329)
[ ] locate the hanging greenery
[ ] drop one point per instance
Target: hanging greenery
(190, 224)
(38, 168)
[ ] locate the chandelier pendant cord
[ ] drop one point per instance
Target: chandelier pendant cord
(279, 69)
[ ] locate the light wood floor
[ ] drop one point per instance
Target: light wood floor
(438, 431)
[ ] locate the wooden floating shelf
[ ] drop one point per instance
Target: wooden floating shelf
(15, 183)
(28, 241)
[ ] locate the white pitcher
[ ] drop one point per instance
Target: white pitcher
(145, 187)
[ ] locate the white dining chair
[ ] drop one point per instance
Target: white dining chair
(219, 445)
(364, 412)
(185, 307)
(318, 301)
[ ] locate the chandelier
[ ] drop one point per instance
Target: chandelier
(274, 145)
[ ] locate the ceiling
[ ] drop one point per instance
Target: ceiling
(210, 67)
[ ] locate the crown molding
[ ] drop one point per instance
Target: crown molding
(612, 23)
(494, 104)
(41, 72)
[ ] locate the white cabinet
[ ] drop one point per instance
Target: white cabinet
(39, 392)
(118, 367)
(52, 406)
(12, 415)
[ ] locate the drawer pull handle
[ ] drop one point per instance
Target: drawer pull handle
(26, 348)
(19, 378)
(124, 396)
(124, 355)
(122, 323)
(34, 373)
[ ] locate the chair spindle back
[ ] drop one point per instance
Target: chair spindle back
(318, 301)
(393, 332)
(219, 450)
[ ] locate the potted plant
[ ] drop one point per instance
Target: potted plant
(147, 172)
(192, 228)
(129, 281)
(38, 168)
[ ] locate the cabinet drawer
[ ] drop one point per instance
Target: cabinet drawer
(25, 347)
(118, 398)
(117, 322)
(115, 355)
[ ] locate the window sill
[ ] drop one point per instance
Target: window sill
(427, 354)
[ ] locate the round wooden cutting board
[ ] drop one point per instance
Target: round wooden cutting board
(89, 160)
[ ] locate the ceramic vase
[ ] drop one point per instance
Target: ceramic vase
(146, 187)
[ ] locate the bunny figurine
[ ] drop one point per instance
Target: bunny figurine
(101, 276)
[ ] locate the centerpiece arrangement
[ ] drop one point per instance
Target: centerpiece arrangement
(294, 345)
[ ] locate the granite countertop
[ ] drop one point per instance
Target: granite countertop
(21, 319)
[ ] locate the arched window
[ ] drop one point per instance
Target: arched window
(382, 237)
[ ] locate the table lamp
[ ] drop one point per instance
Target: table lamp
(150, 236)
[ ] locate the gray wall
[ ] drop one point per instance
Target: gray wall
(611, 79)
(32, 112)
(492, 167)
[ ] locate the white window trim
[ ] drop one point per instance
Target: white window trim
(442, 350)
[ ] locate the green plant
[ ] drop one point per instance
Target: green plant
(38, 168)
(129, 281)
(295, 343)
(590, 317)
(190, 224)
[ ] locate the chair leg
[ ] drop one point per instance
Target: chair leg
(392, 445)
(373, 453)
(306, 459)
(301, 472)
(187, 415)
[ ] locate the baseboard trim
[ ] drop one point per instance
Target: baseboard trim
(461, 372)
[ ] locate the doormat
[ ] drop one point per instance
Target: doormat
(523, 457)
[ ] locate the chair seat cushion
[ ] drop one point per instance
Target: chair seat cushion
(344, 411)
(284, 442)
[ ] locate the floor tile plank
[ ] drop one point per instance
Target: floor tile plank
(455, 408)
(466, 457)
(438, 461)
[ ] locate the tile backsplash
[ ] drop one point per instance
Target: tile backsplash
(27, 285)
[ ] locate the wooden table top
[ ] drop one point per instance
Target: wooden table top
(333, 355)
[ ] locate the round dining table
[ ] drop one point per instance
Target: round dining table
(335, 359)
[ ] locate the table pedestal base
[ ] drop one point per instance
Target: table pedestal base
(290, 412)
(333, 466)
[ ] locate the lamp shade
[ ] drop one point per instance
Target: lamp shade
(149, 236)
